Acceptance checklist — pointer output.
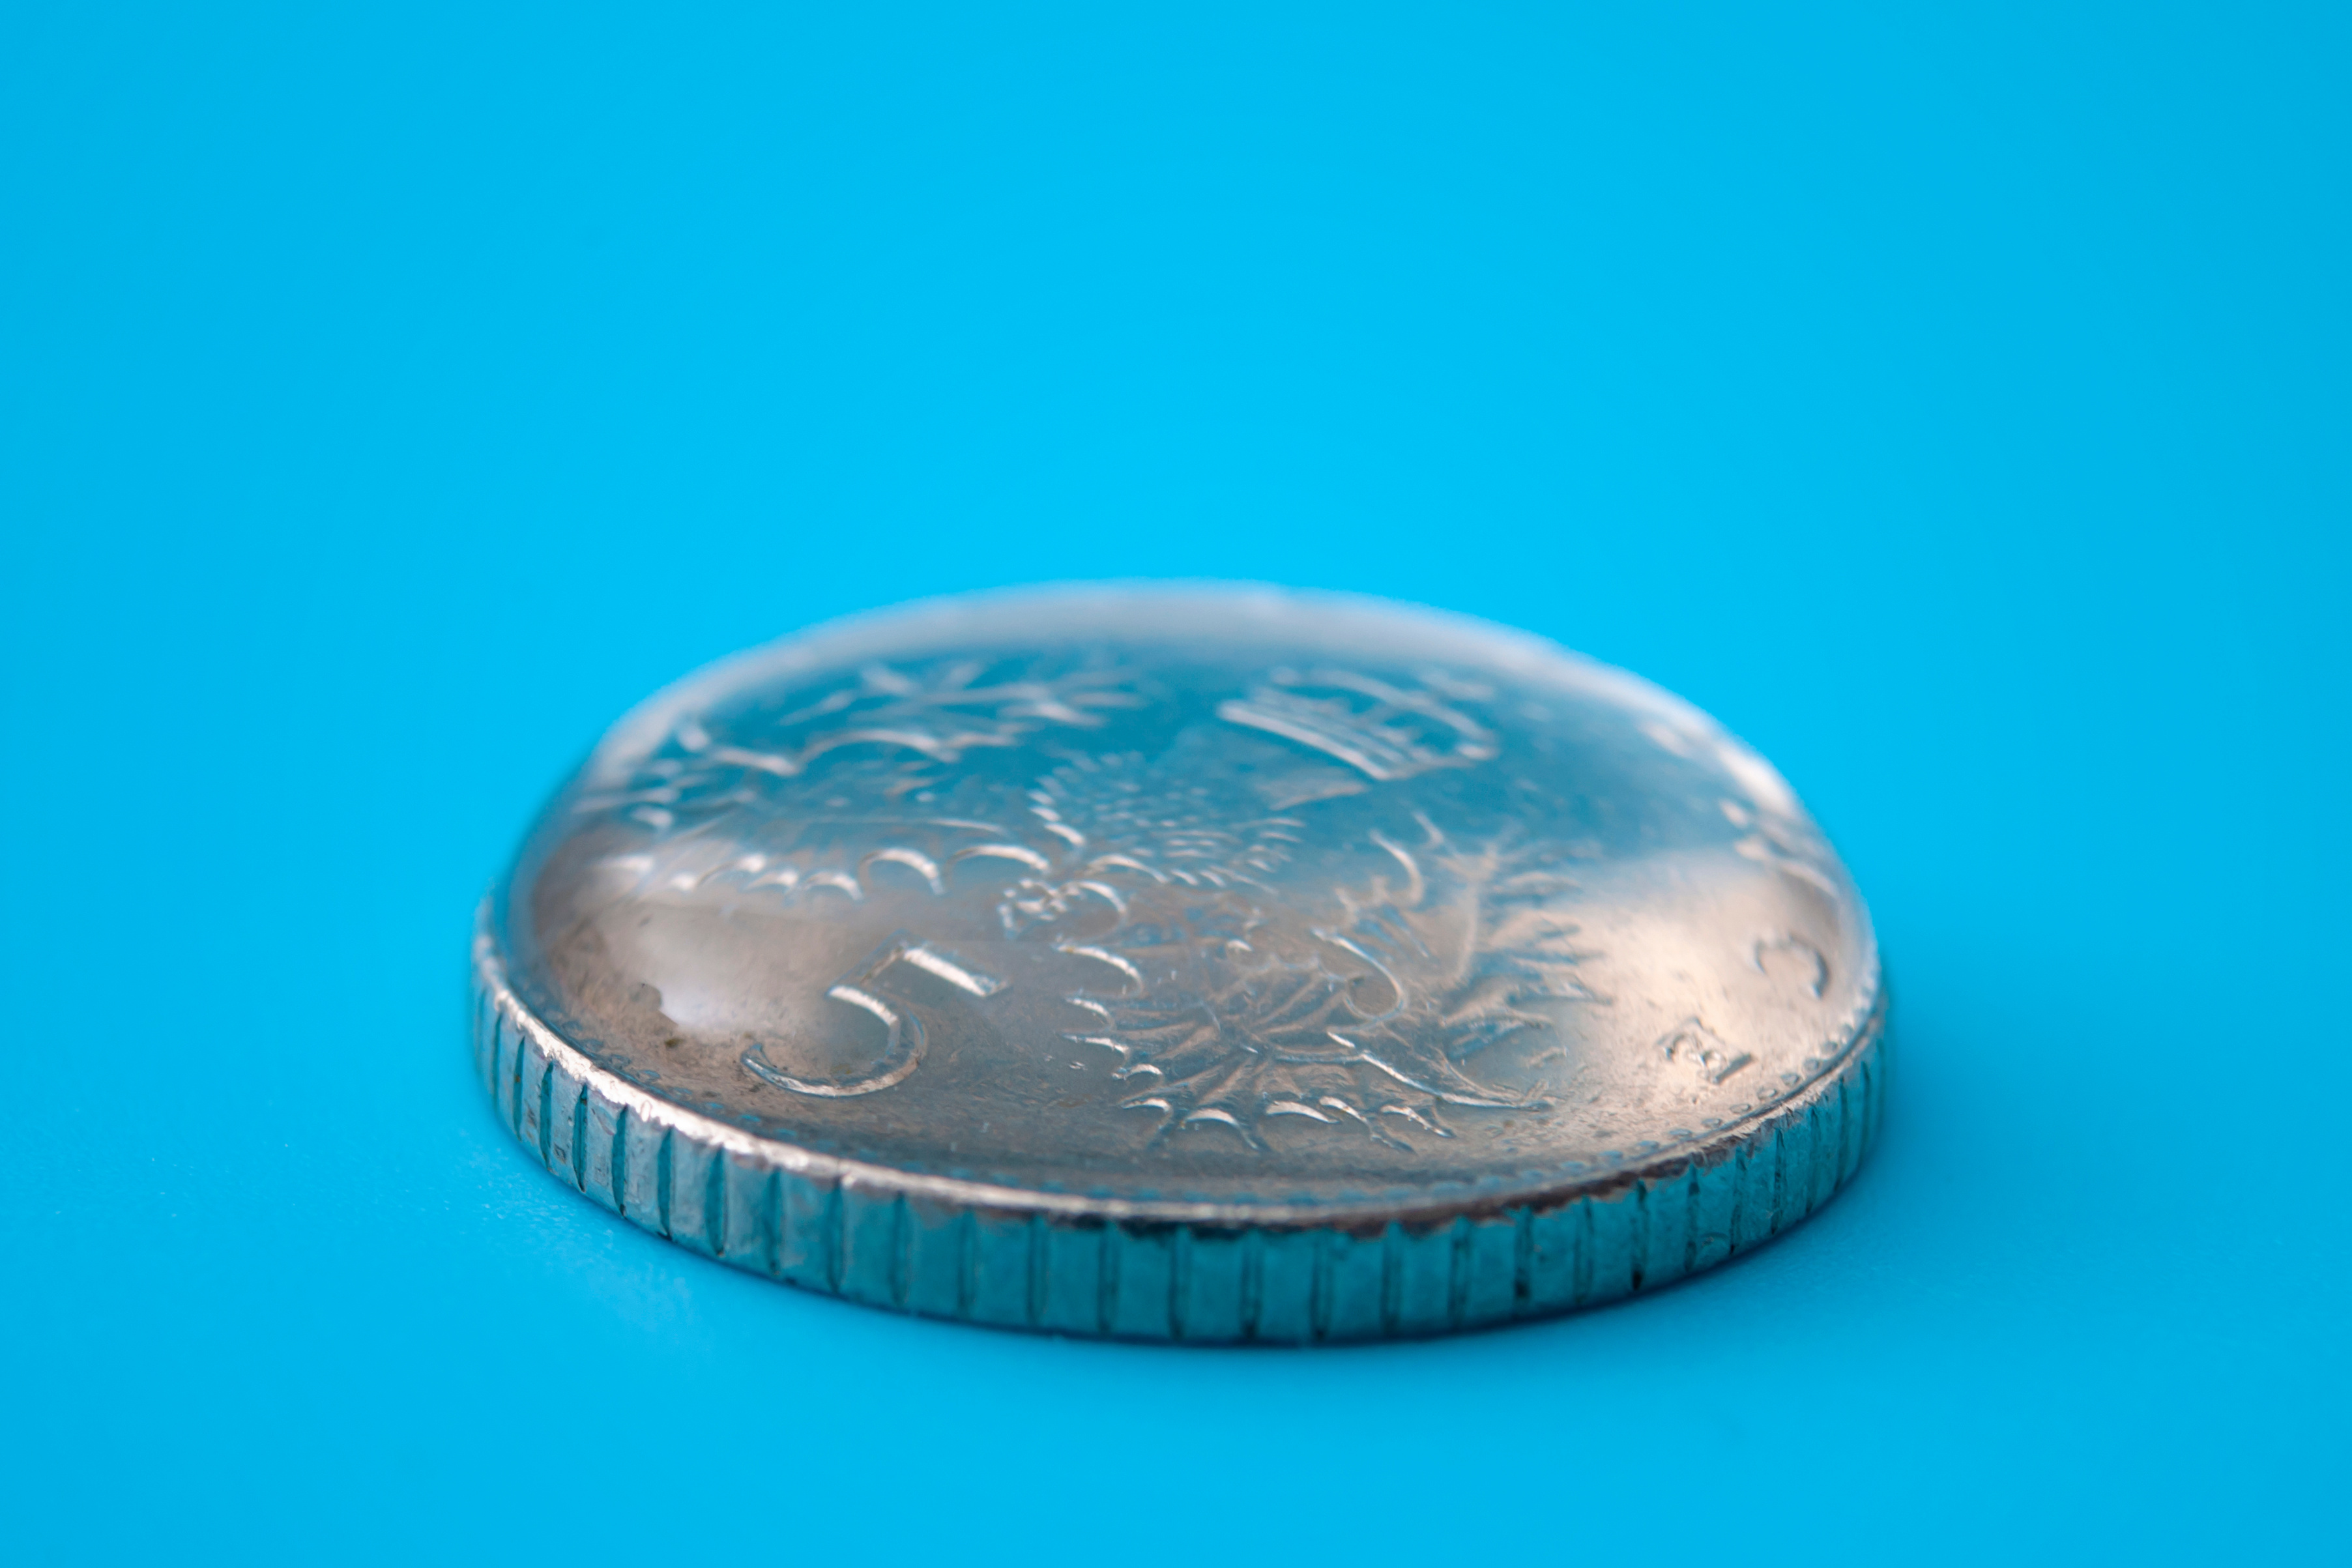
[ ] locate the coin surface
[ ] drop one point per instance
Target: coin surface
(1208, 964)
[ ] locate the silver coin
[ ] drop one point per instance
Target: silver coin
(1201, 964)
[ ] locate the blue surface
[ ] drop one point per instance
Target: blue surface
(1952, 401)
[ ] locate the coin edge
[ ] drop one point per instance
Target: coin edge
(1205, 1271)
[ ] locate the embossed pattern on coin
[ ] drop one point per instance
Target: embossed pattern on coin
(1012, 958)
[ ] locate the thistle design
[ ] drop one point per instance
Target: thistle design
(1229, 994)
(1120, 831)
(1240, 1010)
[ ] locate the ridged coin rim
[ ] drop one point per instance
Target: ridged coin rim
(1204, 1271)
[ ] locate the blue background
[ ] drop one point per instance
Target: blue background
(1952, 401)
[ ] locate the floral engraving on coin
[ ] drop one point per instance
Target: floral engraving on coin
(895, 730)
(1244, 1009)
(1228, 994)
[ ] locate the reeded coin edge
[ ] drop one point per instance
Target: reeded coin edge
(1163, 1269)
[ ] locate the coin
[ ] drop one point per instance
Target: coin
(1201, 964)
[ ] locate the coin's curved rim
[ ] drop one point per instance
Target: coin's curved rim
(1203, 1274)
(1435, 1202)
